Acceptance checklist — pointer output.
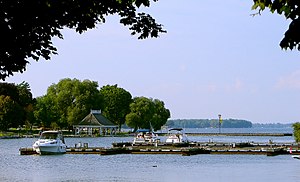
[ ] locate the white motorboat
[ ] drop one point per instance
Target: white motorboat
(176, 136)
(145, 137)
(50, 142)
(294, 156)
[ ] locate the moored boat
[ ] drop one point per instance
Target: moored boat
(145, 136)
(176, 136)
(294, 156)
(50, 142)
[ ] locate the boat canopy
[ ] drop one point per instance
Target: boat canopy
(142, 130)
(49, 135)
(175, 129)
(52, 135)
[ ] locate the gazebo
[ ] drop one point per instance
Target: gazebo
(95, 123)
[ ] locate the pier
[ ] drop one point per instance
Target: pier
(235, 134)
(241, 134)
(192, 148)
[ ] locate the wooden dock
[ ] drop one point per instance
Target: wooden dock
(235, 134)
(27, 151)
(191, 149)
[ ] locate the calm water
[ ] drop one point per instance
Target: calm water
(148, 168)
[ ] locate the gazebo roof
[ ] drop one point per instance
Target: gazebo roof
(96, 119)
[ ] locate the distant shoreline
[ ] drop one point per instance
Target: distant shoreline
(161, 134)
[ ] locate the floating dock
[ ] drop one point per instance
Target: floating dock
(193, 148)
(237, 134)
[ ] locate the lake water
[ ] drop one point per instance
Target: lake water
(146, 168)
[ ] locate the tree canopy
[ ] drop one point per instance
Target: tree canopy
(115, 103)
(68, 102)
(10, 113)
(146, 113)
(45, 111)
(291, 10)
(16, 105)
(296, 127)
(27, 27)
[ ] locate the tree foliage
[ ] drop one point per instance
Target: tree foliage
(115, 103)
(147, 113)
(9, 89)
(291, 10)
(68, 102)
(28, 26)
(10, 113)
(25, 95)
(19, 98)
(27, 102)
(45, 111)
(296, 127)
(160, 115)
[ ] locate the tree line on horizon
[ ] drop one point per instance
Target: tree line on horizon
(70, 100)
(208, 123)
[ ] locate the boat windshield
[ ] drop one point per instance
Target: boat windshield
(175, 129)
(48, 136)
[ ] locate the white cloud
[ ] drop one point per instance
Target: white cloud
(206, 88)
(236, 86)
(291, 81)
(183, 68)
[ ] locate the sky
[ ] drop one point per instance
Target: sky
(215, 59)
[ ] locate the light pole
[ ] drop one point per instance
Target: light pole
(220, 121)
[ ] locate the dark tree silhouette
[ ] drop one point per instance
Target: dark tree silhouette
(291, 10)
(27, 26)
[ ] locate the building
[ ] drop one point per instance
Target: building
(95, 124)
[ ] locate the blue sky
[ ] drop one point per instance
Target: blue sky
(215, 59)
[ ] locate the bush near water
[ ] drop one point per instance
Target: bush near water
(296, 127)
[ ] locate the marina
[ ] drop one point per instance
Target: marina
(191, 148)
(232, 158)
(176, 141)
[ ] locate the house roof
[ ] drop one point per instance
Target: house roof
(96, 119)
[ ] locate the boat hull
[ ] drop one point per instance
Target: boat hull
(50, 150)
(173, 140)
(296, 156)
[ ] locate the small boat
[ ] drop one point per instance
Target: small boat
(178, 137)
(145, 136)
(50, 142)
(296, 156)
